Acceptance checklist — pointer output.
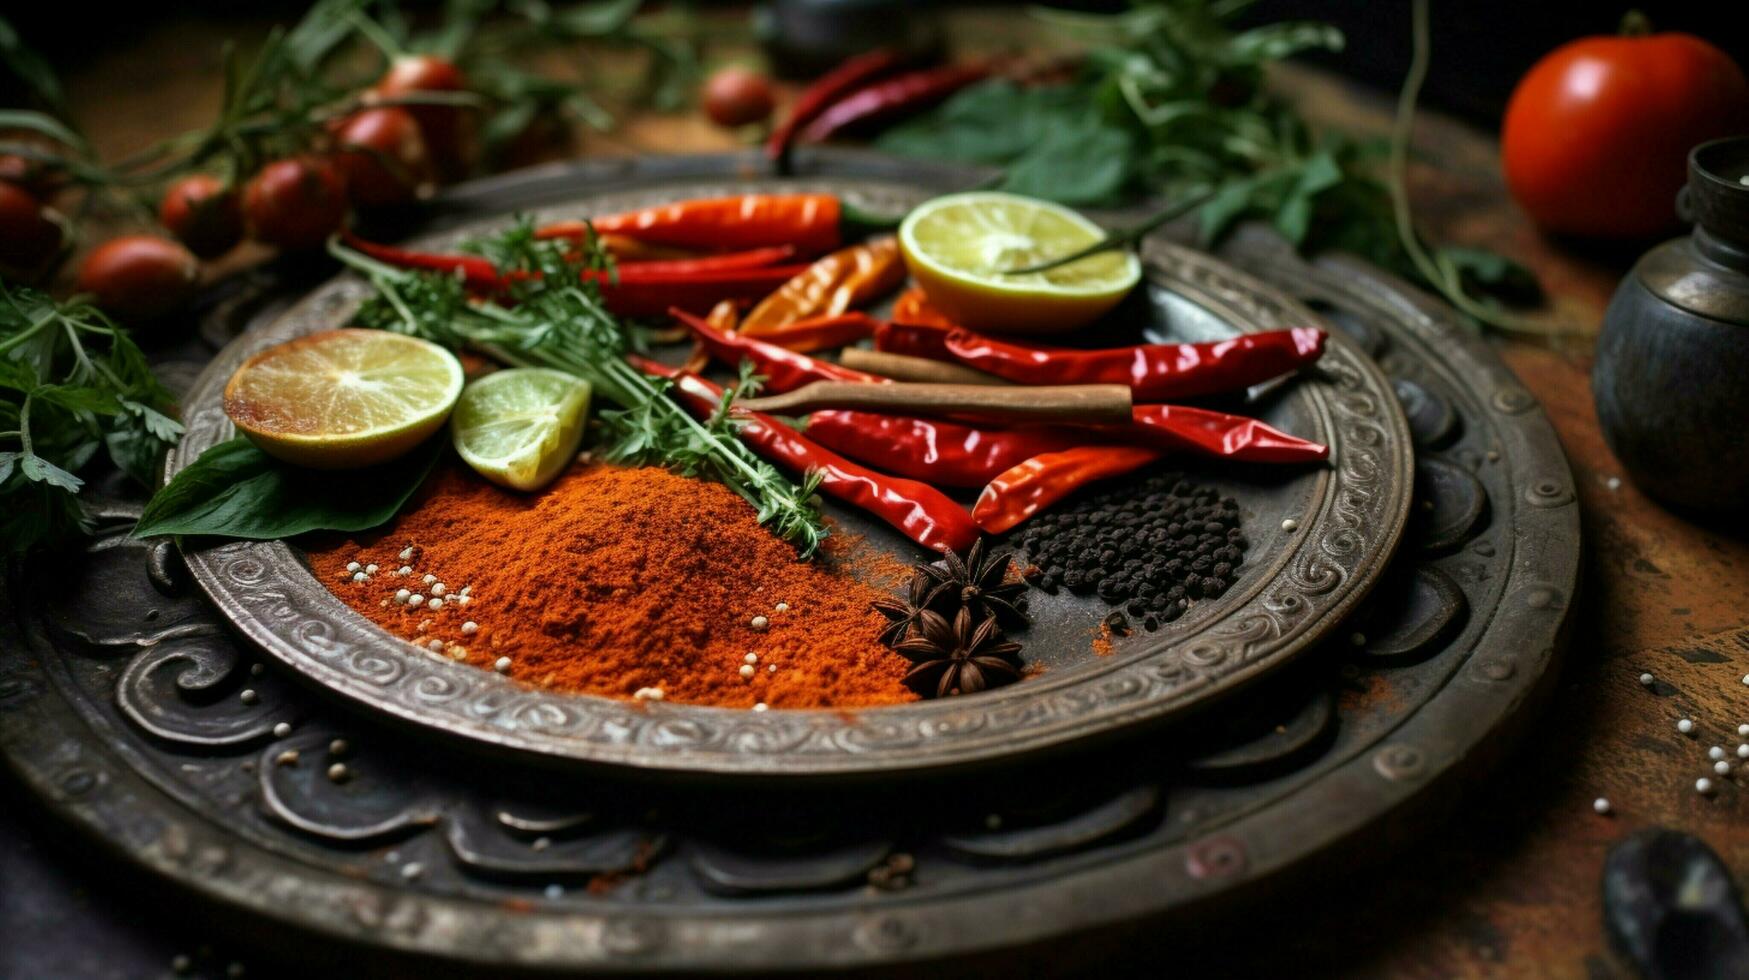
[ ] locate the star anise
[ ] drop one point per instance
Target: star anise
(963, 658)
(902, 613)
(977, 582)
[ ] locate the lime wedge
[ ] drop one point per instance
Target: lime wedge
(520, 428)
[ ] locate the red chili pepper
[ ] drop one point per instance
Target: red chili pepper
(638, 291)
(477, 272)
(805, 222)
(919, 511)
(784, 370)
(827, 89)
(750, 259)
(1041, 481)
(958, 455)
(1154, 372)
(886, 101)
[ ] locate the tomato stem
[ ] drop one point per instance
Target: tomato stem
(1634, 24)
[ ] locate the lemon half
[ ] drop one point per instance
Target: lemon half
(343, 398)
(957, 247)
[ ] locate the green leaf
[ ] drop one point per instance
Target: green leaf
(1081, 165)
(43, 123)
(237, 491)
(40, 470)
(79, 399)
(8, 462)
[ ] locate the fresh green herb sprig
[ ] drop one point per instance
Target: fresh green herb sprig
(72, 384)
(553, 316)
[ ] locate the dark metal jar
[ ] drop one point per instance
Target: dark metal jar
(1672, 374)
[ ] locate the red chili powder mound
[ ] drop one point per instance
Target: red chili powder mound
(614, 580)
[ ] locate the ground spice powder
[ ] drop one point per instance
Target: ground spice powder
(615, 580)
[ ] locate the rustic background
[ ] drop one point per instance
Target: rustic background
(1510, 886)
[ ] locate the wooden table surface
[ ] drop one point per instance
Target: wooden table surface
(1510, 886)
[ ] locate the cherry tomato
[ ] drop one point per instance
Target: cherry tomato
(737, 96)
(139, 277)
(295, 203)
(41, 180)
(382, 157)
(204, 213)
(30, 234)
(447, 129)
(1597, 135)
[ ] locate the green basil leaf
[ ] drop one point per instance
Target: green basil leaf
(1086, 164)
(235, 490)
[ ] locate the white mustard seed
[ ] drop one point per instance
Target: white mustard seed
(415, 600)
(1746, 678)
(1703, 786)
(746, 670)
(1290, 525)
(434, 604)
(1646, 680)
(760, 706)
(360, 577)
(772, 668)
(370, 569)
(751, 658)
(470, 627)
(438, 588)
(462, 600)
(404, 570)
(466, 589)
(502, 665)
(436, 646)
(429, 579)
(1743, 751)
(782, 607)
(407, 553)
(1685, 726)
(1722, 767)
(402, 595)
(647, 694)
(1600, 804)
(759, 622)
(282, 729)
(1716, 753)
(353, 566)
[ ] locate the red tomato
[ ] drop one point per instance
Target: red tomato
(737, 96)
(39, 179)
(204, 213)
(1597, 135)
(139, 277)
(382, 157)
(447, 129)
(295, 203)
(30, 235)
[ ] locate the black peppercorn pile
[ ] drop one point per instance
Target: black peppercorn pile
(1151, 546)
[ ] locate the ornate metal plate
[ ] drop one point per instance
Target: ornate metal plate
(132, 710)
(1294, 586)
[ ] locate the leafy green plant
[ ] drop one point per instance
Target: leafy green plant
(235, 490)
(554, 317)
(72, 386)
(1171, 101)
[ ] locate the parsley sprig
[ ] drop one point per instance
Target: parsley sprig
(552, 316)
(72, 384)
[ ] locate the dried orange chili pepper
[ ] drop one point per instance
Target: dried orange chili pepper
(912, 309)
(822, 332)
(832, 285)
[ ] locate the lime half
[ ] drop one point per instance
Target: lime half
(343, 398)
(520, 428)
(958, 248)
